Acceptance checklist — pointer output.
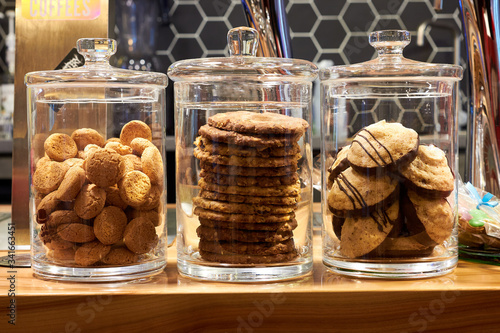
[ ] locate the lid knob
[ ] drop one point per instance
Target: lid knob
(390, 41)
(96, 49)
(243, 41)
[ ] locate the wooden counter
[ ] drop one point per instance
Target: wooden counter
(467, 300)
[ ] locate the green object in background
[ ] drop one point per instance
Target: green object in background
(478, 217)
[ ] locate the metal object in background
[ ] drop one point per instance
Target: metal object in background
(268, 17)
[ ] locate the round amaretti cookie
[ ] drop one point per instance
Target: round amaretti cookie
(52, 240)
(119, 148)
(63, 254)
(216, 178)
(60, 147)
(134, 188)
(429, 172)
(248, 226)
(71, 162)
(435, 214)
(383, 145)
(103, 167)
(113, 197)
(151, 215)
(140, 235)
(248, 162)
(361, 235)
(249, 236)
(86, 136)
(152, 199)
(76, 232)
(152, 165)
(138, 145)
(109, 225)
(354, 192)
(405, 247)
(48, 176)
(90, 201)
(238, 208)
(246, 218)
(90, 253)
(258, 123)
(112, 140)
(282, 190)
(134, 161)
(249, 140)
(120, 256)
(48, 204)
(247, 259)
(259, 249)
(135, 129)
(59, 217)
(340, 163)
(72, 183)
(217, 148)
(280, 201)
(248, 172)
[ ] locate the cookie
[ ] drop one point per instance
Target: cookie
(136, 163)
(361, 235)
(248, 259)
(429, 172)
(247, 162)
(120, 256)
(152, 165)
(139, 144)
(71, 184)
(48, 204)
(119, 148)
(258, 123)
(216, 178)
(113, 197)
(151, 215)
(76, 232)
(140, 236)
(353, 192)
(337, 223)
(90, 201)
(90, 253)
(102, 167)
(283, 190)
(60, 217)
(221, 234)
(52, 240)
(216, 148)
(238, 208)
(48, 176)
(248, 226)
(246, 218)
(135, 129)
(382, 145)
(340, 164)
(245, 199)
(63, 254)
(258, 249)
(86, 136)
(254, 140)
(70, 162)
(248, 172)
(152, 199)
(60, 147)
(112, 140)
(109, 225)
(134, 188)
(405, 247)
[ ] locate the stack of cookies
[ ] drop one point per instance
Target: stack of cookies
(99, 202)
(388, 194)
(250, 187)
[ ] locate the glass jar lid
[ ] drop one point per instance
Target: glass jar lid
(97, 70)
(242, 64)
(390, 63)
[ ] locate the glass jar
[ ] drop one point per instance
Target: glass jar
(389, 156)
(97, 154)
(243, 143)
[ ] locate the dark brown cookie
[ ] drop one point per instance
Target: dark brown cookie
(237, 208)
(257, 249)
(245, 218)
(221, 179)
(283, 190)
(248, 259)
(247, 162)
(246, 199)
(249, 172)
(220, 234)
(248, 226)
(258, 123)
(217, 148)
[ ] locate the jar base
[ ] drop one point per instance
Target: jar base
(399, 271)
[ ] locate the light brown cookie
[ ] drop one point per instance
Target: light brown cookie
(109, 225)
(102, 167)
(221, 179)
(281, 191)
(152, 215)
(247, 162)
(135, 129)
(113, 197)
(70, 162)
(248, 172)
(140, 235)
(340, 164)
(152, 199)
(247, 259)
(249, 236)
(120, 256)
(217, 148)
(71, 184)
(246, 199)
(63, 254)
(76, 232)
(119, 148)
(90, 201)
(238, 208)
(48, 204)
(86, 136)
(258, 123)
(403, 247)
(134, 188)
(139, 144)
(112, 140)
(248, 226)
(41, 161)
(135, 160)
(48, 176)
(52, 240)
(152, 165)
(246, 218)
(90, 253)
(258, 249)
(60, 217)
(60, 147)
